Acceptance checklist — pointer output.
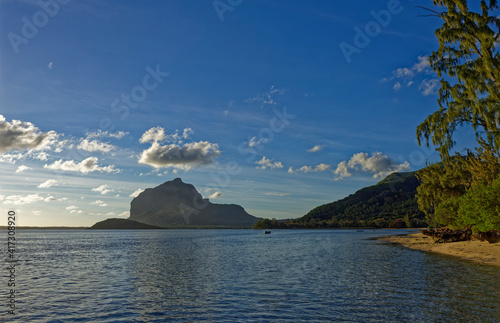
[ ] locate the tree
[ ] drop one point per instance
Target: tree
(443, 184)
(469, 53)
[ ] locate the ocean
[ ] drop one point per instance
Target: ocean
(241, 276)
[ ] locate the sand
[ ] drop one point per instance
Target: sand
(478, 251)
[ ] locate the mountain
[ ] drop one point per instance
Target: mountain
(177, 204)
(122, 224)
(392, 199)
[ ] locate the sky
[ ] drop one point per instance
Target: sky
(278, 106)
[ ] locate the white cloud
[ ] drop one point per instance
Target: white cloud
(277, 194)
(268, 163)
(74, 209)
(315, 149)
(51, 65)
(105, 134)
(95, 145)
(216, 195)
(342, 171)
(404, 76)
(178, 155)
(103, 189)
(136, 192)
(306, 169)
(86, 166)
(422, 64)
(22, 200)
(378, 164)
(429, 87)
(48, 183)
(99, 202)
(266, 98)
(153, 135)
(22, 135)
(22, 168)
(254, 141)
(124, 214)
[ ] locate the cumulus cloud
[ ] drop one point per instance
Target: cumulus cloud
(103, 189)
(403, 77)
(23, 135)
(342, 171)
(99, 202)
(315, 149)
(24, 199)
(48, 183)
(216, 195)
(378, 164)
(420, 66)
(95, 145)
(306, 169)
(86, 166)
(153, 135)
(136, 192)
(22, 168)
(124, 214)
(266, 163)
(74, 209)
(177, 154)
(429, 87)
(105, 134)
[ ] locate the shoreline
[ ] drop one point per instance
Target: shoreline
(480, 252)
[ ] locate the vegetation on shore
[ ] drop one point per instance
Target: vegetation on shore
(463, 191)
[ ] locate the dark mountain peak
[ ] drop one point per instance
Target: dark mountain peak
(175, 203)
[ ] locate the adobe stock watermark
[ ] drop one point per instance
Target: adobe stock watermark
(223, 6)
(372, 29)
(40, 19)
(131, 100)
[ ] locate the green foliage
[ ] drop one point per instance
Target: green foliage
(480, 208)
(444, 184)
(441, 181)
(263, 224)
(468, 54)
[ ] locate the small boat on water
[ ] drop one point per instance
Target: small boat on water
(267, 232)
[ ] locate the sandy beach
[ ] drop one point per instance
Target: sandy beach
(478, 251)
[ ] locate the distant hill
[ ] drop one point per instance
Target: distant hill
(122, 224)
(177, 204)
(389, 203)
(379, 205)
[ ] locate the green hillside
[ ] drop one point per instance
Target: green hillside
(389, 203)
(379, 205)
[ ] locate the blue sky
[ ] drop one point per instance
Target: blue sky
(278, 106)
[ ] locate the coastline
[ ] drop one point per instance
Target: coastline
(480, 252)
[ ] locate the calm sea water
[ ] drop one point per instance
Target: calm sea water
(243, 275)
